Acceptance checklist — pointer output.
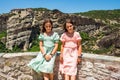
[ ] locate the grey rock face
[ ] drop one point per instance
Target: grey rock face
(25, 25)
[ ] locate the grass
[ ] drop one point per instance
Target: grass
(34, 49)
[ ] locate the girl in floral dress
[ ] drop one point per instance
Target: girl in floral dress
(44, 62)
(70, 51)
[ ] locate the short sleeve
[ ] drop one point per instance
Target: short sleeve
(62, 38)
(41, 37)
(56, 38)
(78, 37)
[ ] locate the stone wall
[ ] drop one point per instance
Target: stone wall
(13, 66)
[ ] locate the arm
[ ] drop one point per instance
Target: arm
(41, 48)
(79, 47)
(61, 52)
(62, 47)
(54, 50)
(56, 41)
(48, 57)
(79, 51)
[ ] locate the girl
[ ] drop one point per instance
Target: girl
(70, 51)
(44, 62)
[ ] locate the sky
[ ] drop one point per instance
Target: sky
(66, 6)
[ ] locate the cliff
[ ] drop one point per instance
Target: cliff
(23, 27)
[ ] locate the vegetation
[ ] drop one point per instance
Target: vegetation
(85, 36)
(3, 34)
(12, 14)
(103, 14)
(35, 46)
(3, 48)
(111, 18)
(40, 9)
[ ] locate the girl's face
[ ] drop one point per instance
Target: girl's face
(48, 27)
(69, 27)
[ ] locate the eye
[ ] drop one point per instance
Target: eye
(71, 25)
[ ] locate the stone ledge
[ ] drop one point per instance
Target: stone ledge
(11, 55)
(93, 66)
(101, 57)
(85, 55)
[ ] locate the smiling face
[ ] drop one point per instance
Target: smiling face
(69, 27)
(48, 27)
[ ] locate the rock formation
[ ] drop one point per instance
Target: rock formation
(23, 26)
(24, 21)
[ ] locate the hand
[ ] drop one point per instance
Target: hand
(48, 57)
(79, 60)
(61, 58)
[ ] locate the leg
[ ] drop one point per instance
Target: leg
(51, 76)
(66, 77)
(46, 76)
(73, 77)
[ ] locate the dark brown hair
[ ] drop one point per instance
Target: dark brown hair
(43, 26)
(67, 21)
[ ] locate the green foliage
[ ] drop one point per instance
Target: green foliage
(11, 14)
(40, 9)
(2, 47)
(102, 14)
(96, 51)
(35, 46)
(84, 36)
(115, 26)
(16, 49)
(3, 34)
(101, 51)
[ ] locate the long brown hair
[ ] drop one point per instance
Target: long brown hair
(43, 26)
(68, 21)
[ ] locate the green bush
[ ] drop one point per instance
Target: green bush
(16, 49)
(40, 9)
(84, 36)
(35, 46)
(3, 34)
(2, 47)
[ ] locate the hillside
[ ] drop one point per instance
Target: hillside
(106, 15)
(100, 30)
(108, 37)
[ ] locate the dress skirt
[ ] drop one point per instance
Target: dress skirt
(39, 64)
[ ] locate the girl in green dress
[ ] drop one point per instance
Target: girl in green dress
(44, 62)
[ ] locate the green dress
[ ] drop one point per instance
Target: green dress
(39, 64)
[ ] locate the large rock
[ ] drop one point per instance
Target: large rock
(24, 26)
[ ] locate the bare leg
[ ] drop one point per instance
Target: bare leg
(73, 77)
(46, 76)
(66, 77)
(51, 76)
